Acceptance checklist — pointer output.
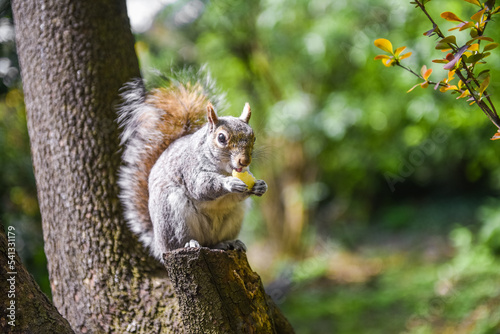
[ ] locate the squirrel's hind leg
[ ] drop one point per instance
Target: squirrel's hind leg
(224, 245)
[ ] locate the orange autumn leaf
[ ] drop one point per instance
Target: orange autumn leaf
(451, 17)
(474, 2)
(496, 136)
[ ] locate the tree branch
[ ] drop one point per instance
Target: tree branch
(26, 307)
(219, 293)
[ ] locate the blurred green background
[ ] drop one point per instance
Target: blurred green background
(341, 249)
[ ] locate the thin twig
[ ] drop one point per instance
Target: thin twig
(484, 107)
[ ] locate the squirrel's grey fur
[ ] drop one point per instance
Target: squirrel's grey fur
(178, 156)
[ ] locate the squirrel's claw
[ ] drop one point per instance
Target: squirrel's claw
(231, 244)
(235, 185)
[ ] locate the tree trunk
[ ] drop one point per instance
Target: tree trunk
(74, 56)
(23, 305)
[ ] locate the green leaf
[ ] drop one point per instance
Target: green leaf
(449, 39)
(446, 42)
(482, 38)
(474, 58)
(441, 46)
(483, 74)
(490, 46)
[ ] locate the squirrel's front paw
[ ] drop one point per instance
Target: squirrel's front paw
(259, 188)
(235, 185)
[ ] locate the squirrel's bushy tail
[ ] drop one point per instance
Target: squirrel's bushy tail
(150, 121)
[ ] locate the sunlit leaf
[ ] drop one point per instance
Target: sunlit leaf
(406, 55)
(388, 62)
(409, 90)
(427, 74)
(451, 75)
(384, 44)
(423, 70)
(490, 46)
(462, 26)
(464, 94)
(473, 47)
(474, 2)
(447, 88)
(484, 85)
(399, 50)
(465, 25)
(496, 136)
(451, 17)
(478, 16)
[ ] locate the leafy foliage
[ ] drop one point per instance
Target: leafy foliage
(461, 60)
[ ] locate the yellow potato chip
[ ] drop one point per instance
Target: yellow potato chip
(246, 177)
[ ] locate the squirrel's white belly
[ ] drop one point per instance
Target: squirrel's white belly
(217, 220)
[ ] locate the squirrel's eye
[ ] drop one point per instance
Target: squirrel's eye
(221, 138)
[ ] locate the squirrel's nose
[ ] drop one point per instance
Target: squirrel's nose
(244, 161)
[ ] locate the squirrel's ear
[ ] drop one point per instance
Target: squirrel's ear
(212, 117)
(245, 115)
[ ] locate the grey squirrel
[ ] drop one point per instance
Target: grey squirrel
(176, 180)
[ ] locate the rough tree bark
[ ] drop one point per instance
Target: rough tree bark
(74, 57)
